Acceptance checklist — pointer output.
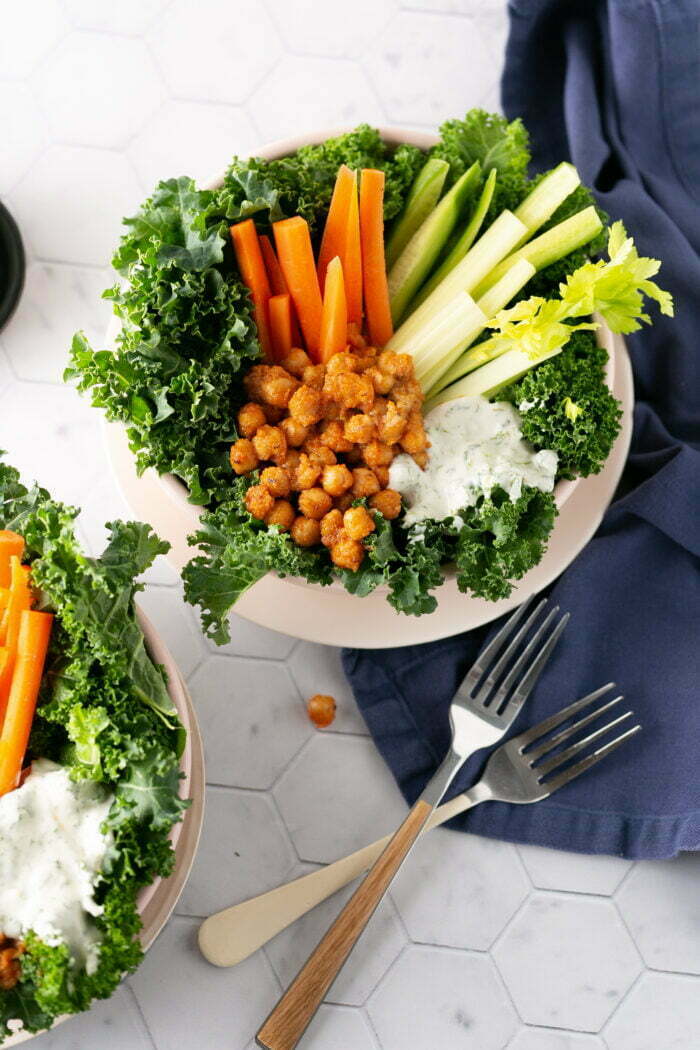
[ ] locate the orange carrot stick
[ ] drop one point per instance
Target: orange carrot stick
(10, 543)
(280, 307)
(32, 646)
(296, 258)
(374, 280)
(335, 230)
(334, 322)
(19, 599)
(278, 285)
(351, 259)
(4, 662)
(250, 262)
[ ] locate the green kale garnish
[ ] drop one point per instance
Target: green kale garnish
(105, 714)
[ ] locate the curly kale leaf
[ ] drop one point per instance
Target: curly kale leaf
(237, 551)
(173, 375)
(494, 142)
(566, 405)
(411, 569)
(104, 712)
(501, 539)
(302, 183)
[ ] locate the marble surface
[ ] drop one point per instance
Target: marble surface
(481, 945)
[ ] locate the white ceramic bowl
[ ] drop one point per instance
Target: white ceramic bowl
(330, 614)
(156, 902)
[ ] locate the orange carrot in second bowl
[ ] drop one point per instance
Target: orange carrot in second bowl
(10, 543)
(374, 279)
(32, 646)
(336, 228)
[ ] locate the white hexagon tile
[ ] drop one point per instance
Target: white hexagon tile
(481, 945)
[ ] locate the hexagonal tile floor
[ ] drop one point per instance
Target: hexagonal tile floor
(480, 945)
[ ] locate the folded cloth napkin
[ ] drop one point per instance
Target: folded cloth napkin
(614, 88)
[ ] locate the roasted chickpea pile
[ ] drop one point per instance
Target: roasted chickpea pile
(324, 436)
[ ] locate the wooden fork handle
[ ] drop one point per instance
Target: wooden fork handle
(288, 1021)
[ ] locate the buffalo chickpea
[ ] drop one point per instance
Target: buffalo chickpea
(377, 454)
(282, 515)
(333, 436)
(259, 502)
(313, 376)
(413, 439)
(392, 424)
(276, 480)
(359, 428)
(294, 431)
(408, 395)
(342, 362)
(270, 443)
(387, 503)
(421, 458)
(364, 482)
(321, 710)
(343, 502)
(318, 452)
(381, 382)
(336, 479)
(243, 457)
(398, 365)
(306, 406)
(274, 414)
(382, 475)
(347, 553)
(305, 474)
(331, 526)
(306, 532)
(295, 362)
(315, 503)
(358, 523)
(270, 385)
(250, 418)
(355, 338)
(350, 391)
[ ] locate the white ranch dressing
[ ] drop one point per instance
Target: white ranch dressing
(51, 852)
(475, 446)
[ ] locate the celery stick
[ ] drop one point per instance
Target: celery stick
(496, 299)
(493, 245)
(418, 257)
(550, 246)
(491, 377)
(465, 241)
(424, 195)
(445, 319)
(448, 341)
(540, 205)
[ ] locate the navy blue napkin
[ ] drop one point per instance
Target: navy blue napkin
(613, 87)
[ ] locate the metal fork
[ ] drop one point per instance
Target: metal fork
(482, 709)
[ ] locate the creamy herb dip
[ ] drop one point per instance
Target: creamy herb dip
(475, 446)
(51, 852)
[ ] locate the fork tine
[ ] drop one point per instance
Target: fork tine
(501, 665)
(530, 735)
(575, 771)
(529, 679)
(563, 756)
(495, 645)
(553, 741)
